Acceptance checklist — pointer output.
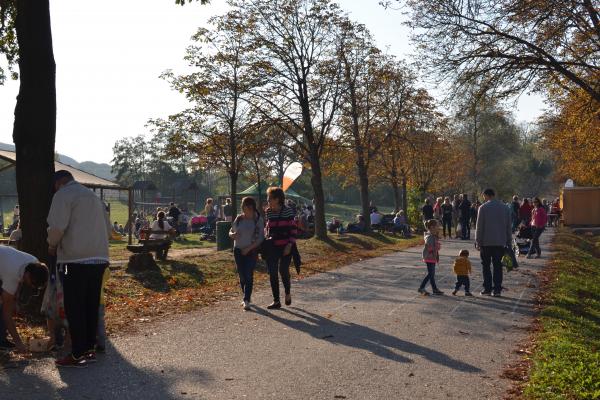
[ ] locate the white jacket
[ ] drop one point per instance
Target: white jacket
(78, 225)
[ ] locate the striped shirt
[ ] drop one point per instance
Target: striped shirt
(281, 226)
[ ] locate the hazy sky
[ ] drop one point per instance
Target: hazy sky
(109, 55)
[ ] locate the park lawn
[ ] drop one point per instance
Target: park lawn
(348, 212)
(565, 363)
(117, 249)
(134, 299)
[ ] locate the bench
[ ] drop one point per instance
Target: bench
(146, 245)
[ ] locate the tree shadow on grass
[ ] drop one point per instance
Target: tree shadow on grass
(170, 275)
(362, 337)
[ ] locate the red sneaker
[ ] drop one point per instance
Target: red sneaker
(71, 362)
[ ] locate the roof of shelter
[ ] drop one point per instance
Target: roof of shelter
(9, 158)
(144, 185)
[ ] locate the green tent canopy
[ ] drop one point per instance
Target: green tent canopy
(290, 193)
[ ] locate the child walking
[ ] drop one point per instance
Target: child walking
(462, 269)
(431, 256)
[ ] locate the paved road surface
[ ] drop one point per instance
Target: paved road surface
(360, 332)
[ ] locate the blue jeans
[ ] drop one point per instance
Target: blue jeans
(245, 268)
(278, 264)
(463, 280)
(430, 277)
(466, 228)
(535, 242)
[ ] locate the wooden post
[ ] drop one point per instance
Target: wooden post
(130, 223)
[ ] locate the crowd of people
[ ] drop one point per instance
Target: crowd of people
(79, 230)
(494, 223)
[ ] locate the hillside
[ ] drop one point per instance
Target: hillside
(101, 170)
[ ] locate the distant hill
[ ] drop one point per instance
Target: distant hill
(101, 170)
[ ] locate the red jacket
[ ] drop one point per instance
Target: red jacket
(539, 217)
(525, 211)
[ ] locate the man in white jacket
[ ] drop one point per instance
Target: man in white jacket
(78, 233)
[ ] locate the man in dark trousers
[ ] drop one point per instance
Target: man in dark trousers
(465, 217)
(493, 234)
(78, 232)
(427, 211)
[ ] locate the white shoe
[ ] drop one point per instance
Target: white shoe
(246, 305)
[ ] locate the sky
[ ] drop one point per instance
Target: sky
(109, 56)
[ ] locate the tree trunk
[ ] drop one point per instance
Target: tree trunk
(404, 197)
(233, 177)
(316, 181)
(396, 191)
(364, 191)
(35, 122)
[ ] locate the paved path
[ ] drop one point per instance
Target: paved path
(360, 332)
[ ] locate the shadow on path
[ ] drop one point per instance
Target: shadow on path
(112, 377)
(361, 337)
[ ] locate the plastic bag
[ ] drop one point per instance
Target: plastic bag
(507, 262)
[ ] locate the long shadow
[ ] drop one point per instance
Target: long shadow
(112, 377)
(159, 280)
(362, 337)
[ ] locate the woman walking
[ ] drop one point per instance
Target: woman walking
(281, 237)
(247, 232)
(538, 223)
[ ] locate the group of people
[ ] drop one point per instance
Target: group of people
(78, 232)
(460, 214)
(493, 235)
(274, 236)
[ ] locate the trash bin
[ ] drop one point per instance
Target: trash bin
(223, 240)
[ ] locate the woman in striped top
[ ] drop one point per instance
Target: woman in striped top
(281, 231)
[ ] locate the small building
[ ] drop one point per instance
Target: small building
(580, 206)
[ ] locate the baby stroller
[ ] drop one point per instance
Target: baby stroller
(522, 241)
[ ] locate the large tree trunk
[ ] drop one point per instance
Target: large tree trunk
(363, 177)
(35, 122)
(396, 191)
(316, 181)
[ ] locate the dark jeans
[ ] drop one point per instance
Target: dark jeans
(245, 268)
(492, 255)
(278, 264)
(447, 222)
(463, 280)
(430, 277)
(466, 228)
(535, 242)
(82, 286)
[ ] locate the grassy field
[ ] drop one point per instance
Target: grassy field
(566, 356)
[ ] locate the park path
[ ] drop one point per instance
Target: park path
(360, 332)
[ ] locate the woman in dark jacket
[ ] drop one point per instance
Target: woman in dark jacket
(281, 235)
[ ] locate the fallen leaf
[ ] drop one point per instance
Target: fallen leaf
(464, 333)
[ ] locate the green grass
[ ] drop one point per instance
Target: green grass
(566, 363)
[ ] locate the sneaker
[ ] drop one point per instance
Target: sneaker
(497, 294)
(90, 356)
(288, 299)
(6, 344)
(438, 292)
(454, 292)
(468, 294)
(246, 305)
(529, 256)
(71, 362)
(274, 305)
(423, 292)
(486, 293)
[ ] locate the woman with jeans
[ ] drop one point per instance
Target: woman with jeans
(538, 223)
(447, 211)
(247, 231)
(281, 236)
